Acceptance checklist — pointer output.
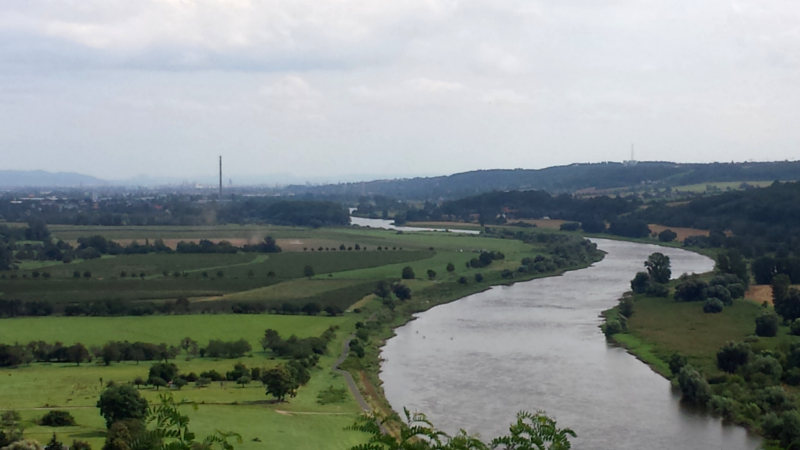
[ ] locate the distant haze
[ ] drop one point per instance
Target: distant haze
(333, 91)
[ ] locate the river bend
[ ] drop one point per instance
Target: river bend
(536, 345)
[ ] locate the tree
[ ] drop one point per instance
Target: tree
(243, 380)
(733, 263)
(54, 444)
(165, 371)
(87, 274)
(110, 353)
(780, 287)
(383, 289)
(478, 277)
(667, 236)
(676, 362)
(158, 382)
(279, 383)
(789, 307)
(120, 402)
(308, 271)
(450, 267)
(187, 344)
(78, 353)
(138, 381)
(694, 387)
(402, 291)
(767, 325)
(731, 356)
(763, 269)
(658, 267)
(431, 274)
(179, 383)
(408, 273)
(311, 309)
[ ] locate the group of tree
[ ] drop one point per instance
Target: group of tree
(384, 290)
(297, 348)
(749, 389)
(653, 281)
(17, 354)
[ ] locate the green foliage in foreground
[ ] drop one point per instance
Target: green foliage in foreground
(529, 432)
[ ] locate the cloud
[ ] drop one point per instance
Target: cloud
(293, 93)
(504, 96)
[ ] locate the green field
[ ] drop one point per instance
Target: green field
(227, 407)
(341, 278)
(722, 186)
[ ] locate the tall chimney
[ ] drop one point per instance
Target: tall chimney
(220, 177)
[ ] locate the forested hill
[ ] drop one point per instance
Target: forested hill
(561, 179)
(765, 219)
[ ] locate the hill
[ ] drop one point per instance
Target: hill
(559, 179)
(21, 178)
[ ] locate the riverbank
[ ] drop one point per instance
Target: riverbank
(661, 327)
(366, 370)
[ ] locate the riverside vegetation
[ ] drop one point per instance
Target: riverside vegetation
(738, 358)
(247, 335)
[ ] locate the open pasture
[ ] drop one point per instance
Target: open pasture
(301, 423)
(157, 329)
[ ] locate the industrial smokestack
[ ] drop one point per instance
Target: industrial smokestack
(220, 176)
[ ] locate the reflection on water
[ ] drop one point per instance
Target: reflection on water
(536, 345)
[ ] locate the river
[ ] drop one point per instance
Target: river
(389, 225)
(536, 345)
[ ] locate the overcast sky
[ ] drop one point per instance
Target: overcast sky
(120, 88)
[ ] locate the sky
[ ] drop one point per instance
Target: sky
(343, 89)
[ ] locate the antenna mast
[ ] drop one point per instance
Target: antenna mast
(220, 176)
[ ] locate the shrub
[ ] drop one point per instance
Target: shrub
(694, 387)
(767, 325)
(612, 327)
(677, 362)
(713, 306)
(691, 289)
(626, 306)
(658, 290)
(57, 419)
(721, 293)
(731, 356)
(478, 277)
(408, 273)
(462, 280)
(795, 328)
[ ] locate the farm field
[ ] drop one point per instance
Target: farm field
(723, 186)
(214, 283)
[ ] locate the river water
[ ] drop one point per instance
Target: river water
(388, 224)
(536, 345)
